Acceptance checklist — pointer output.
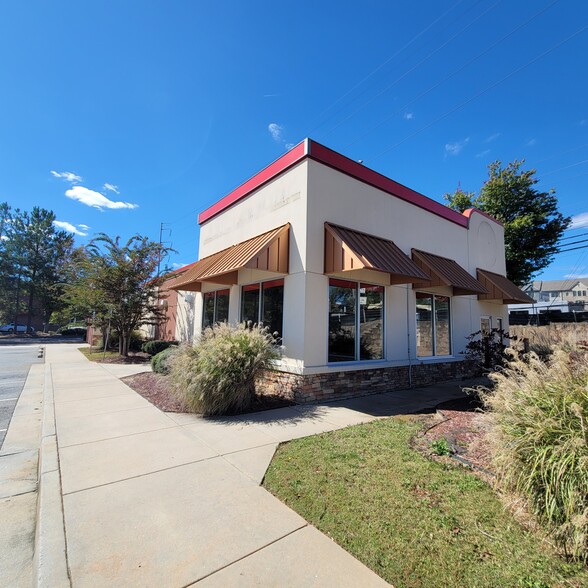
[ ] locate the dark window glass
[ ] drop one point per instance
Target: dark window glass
(442, 326)
(424, 315)
(250, 304)
(342, 302)
(371, 322)
(433, 325)
(222, 306)
(208, 312)
(273, 306)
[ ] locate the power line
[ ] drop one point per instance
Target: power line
(565, 167)
(573, 249)
(406, 73)
(452, 74)
(393, 56)
(573, 237)
(562, 153)
(487, 89)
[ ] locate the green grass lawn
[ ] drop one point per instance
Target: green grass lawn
(415, 522)
(95, 354)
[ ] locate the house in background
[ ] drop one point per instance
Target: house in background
(559, 293)
(370, 285)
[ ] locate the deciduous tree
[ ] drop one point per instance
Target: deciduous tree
(532, 222)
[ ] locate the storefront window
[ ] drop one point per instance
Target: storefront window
(216, 308)
(355, 308)
(433, 325)
(263, 304)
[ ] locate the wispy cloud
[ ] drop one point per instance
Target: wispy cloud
(71, 228)
(95, 199)
(275, 131)
(67, 176)
(483, 153)
(111, 188)
(408, 115)
(84, 227)
(491, 138)
(531, 142)
(580, 221)
(457, 147)
(271, 95)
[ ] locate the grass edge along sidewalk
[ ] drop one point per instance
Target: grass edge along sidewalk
(413, 521)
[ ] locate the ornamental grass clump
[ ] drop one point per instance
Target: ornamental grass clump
(217, 376)
(540, 442)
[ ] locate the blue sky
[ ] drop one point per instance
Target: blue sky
(121, 115)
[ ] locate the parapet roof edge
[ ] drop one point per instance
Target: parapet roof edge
(312, 150)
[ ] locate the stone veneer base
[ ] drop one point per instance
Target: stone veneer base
(347, 384)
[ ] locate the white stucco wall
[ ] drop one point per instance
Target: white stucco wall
(307, 196)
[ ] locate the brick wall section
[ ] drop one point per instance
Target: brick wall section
(339, 385)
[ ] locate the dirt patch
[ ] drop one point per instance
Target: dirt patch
(465, 427)
(156, 388)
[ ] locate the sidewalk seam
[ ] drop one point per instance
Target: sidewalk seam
(246, 555)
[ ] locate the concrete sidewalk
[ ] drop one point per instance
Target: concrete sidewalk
(147, 498)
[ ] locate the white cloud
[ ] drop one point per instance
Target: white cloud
(457, 147)
(4, 238)
(482, 153)
(67, 176)
(580, 221)
(575, 276)
(111, 188)
(491, 138)
(289, 146)
(69, 227)
(408, 115)
(95, 199)
(84, 227)
(531, 142)
(275, 131)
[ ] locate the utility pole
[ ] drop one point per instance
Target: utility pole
(162, 228)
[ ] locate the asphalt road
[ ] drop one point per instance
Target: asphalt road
(15, 362)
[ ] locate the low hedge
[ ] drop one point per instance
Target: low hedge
(161, 363)
(157, 346)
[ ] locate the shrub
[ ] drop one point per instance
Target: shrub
(488, 352)
(72, 331)
(540, 442)
(157, 346)
(161, 362)
(217, 375)
(135, 344)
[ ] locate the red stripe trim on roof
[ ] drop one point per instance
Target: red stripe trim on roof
(313, 150)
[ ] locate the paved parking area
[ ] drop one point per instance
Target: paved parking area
(15, 362)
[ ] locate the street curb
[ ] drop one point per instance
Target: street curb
(50, 559)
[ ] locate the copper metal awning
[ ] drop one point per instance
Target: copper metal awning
(268, 252)
(501, 288)
(347, 250)
(443, 271)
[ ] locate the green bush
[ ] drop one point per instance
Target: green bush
(72, 331)
(540, 442)
(135, 344)
(161, 363)
(157, 346)
(217, 375)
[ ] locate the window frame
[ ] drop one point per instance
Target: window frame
(260, 286)
(357, 310)
(434, 354)
(215, 306)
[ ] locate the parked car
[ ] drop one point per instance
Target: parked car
(4, 329)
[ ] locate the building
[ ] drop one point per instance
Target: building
(558, 293)
(371, 285)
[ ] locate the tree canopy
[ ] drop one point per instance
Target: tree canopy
(532, 222)
(33, 258)
(117, 283)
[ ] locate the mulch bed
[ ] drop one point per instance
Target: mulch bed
(465, 427)
(133, 358)
(155, 388)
